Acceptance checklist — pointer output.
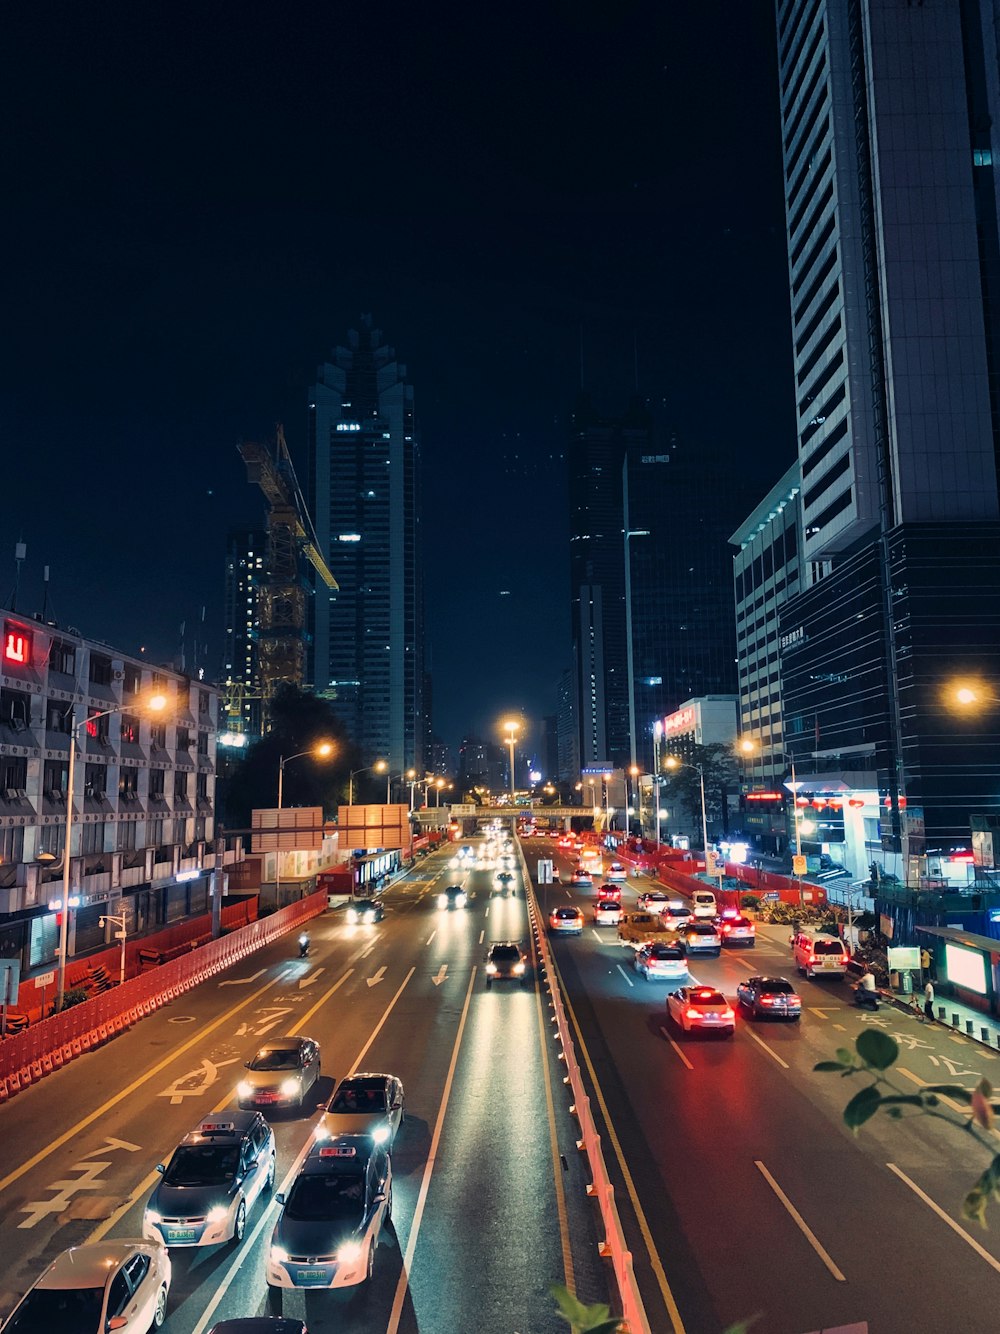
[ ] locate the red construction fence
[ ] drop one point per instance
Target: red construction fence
(48, 1045)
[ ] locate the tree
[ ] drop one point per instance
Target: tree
(299, 721)
(874, 1053)
(682, 785)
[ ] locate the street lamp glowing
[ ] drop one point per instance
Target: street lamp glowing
(966, 695)
(157, 703)
(748, 746)
(324, 749)
(380, 766)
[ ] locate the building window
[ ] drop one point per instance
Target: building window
(158, 736)
(180, 787)
(57, 716)
(55, 779)
(97, 727)
(130, 729)
(183, 739)
(128, 784)
(62, 658)
(203, 703)
(13, 776)
(92, 837)
(202, 787)
(11, 846)
(15, 709)
(156, 783)
(100, 670)
(126, 836)
(96, 781)
(202, 743)
(52, 838)
(133, 679)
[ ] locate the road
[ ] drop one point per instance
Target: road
(489, 1199)
(741, 1190)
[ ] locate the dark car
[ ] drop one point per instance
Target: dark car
(773, 996)
(280, 1073)
(365, 910)
(452, 897)
(506, 961)
(506, 882)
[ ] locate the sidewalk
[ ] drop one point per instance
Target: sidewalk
(964, 1019)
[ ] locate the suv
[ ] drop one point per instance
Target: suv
(506, 961)
(453, 897)
(211, 1182)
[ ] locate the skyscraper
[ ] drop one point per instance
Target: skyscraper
(367, 651)
(245, 552)
(888, 116)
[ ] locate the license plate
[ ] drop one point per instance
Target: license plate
(181, 1234)
(312, 1276)
(266, 1097)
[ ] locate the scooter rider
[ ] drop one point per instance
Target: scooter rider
(303, 944)
(866, 992)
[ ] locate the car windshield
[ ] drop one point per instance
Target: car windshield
(59, 1311)
(664, 952)
(202, 1165)
(359, 1097)
(276, 1058)
(707, 997)
(701, 929)
(327, 1198)
(566, 913)
(364, 904)
(505, 952)
(827, 947)
(609, 903)
(775, 988)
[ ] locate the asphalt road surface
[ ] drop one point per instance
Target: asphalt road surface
(489, 1199)
(742, 1192)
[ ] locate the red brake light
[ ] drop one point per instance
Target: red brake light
(844, 960)
(691, 1013)
(767, 1000)
(727, 1013)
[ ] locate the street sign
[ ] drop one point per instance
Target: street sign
(44, 980)
(544, 873)
(10, 980)
(710, 867)
(771, 894)
(799, 865)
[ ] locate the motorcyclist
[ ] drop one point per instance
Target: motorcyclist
(865, 991)
(303, 944)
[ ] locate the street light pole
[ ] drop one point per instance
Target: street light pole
(119, 921)
(322, 751)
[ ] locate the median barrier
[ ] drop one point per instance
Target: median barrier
(613, 1247)
(78, 1029)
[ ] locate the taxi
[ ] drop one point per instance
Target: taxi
(328, 1230)
(703, 1008)
(616, 871)
(212, 1181)
(566, 921)
(607, 912)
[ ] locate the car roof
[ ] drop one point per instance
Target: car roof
(341, 1155)
(89, 1266)
(276, 1044)
(365, 1079)
(225, 1127)
(763, 981)
(516, 944)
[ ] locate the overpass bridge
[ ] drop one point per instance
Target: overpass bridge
(466, 813)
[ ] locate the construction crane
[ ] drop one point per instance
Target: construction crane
(281, 646)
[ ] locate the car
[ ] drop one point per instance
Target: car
(89, 1289)
(566, 920)
(607, 912)
(331, 1219)
(609, 891)
(556, 873)
(280, 1073)
(260, 1324)
(211, 1182)
(452, 897)
(369, 1103)
(581, 877)
(653, 900)
(641, 928)
(774, 996)
(703, 1008)
(703, 903)
(366, 911)
(699, 937)
(737, 930)
(506, 961)
(676, 912)
(506, 882)
(617, 872)
(658, 960)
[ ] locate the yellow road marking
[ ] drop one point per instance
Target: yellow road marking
(668, 1297)
(567, 1253)
(126, 1092)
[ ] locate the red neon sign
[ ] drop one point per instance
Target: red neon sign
(16, 645)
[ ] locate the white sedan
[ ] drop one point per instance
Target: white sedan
(102, 1286)
(616, 872)
(702, 1008)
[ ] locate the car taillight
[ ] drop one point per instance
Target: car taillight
(794, 1001)
(728, 1014)
(767, 1000)
(844, 960)
(726, 928)
(691, 1013)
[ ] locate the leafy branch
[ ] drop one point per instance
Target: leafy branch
(874, 1053)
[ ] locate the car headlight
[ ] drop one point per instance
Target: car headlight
(278, 1255)
(217, 1214)
(289, 1087)
(152, 1216)
(459, 900)
(349, 1252)
(352, 916)
(442, 900)
(380, 1134)
(491, 967)
(369, 916)
(244, 1088)
(519, 968)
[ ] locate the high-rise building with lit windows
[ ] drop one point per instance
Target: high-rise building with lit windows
(890, 126)
(246, 549)
(367, 649)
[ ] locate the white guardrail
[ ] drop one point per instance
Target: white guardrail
(613, 1247)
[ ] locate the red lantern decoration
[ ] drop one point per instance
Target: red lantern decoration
(856, 803)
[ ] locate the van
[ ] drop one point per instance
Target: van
(815, 953)
(703, 903)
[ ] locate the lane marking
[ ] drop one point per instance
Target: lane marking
(669, 1301)
(806, 1230)
(418, 1213)
(959, 1231)
(432, 935)
(376, 978)
(243, 981)
(481, 935)
(761, 1043)
(309, 1013)
(676, 1048)
(127, 1092)
(595, 933)
(624, 975)
(543, 1039)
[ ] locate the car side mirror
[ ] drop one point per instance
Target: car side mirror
(161, 1168)
(280, 1197)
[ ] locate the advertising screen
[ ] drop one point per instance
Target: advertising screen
(966, 967)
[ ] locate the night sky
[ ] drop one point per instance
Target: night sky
(200, 200)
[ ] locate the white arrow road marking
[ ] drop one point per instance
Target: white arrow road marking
(242, 981)
(373, 981)
(313, 977)
(195, 1082)
(442, 973)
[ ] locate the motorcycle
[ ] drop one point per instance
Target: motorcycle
(303, 945)
(865, 1000)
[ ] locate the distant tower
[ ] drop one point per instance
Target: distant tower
(245, 552)
(367, 652)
